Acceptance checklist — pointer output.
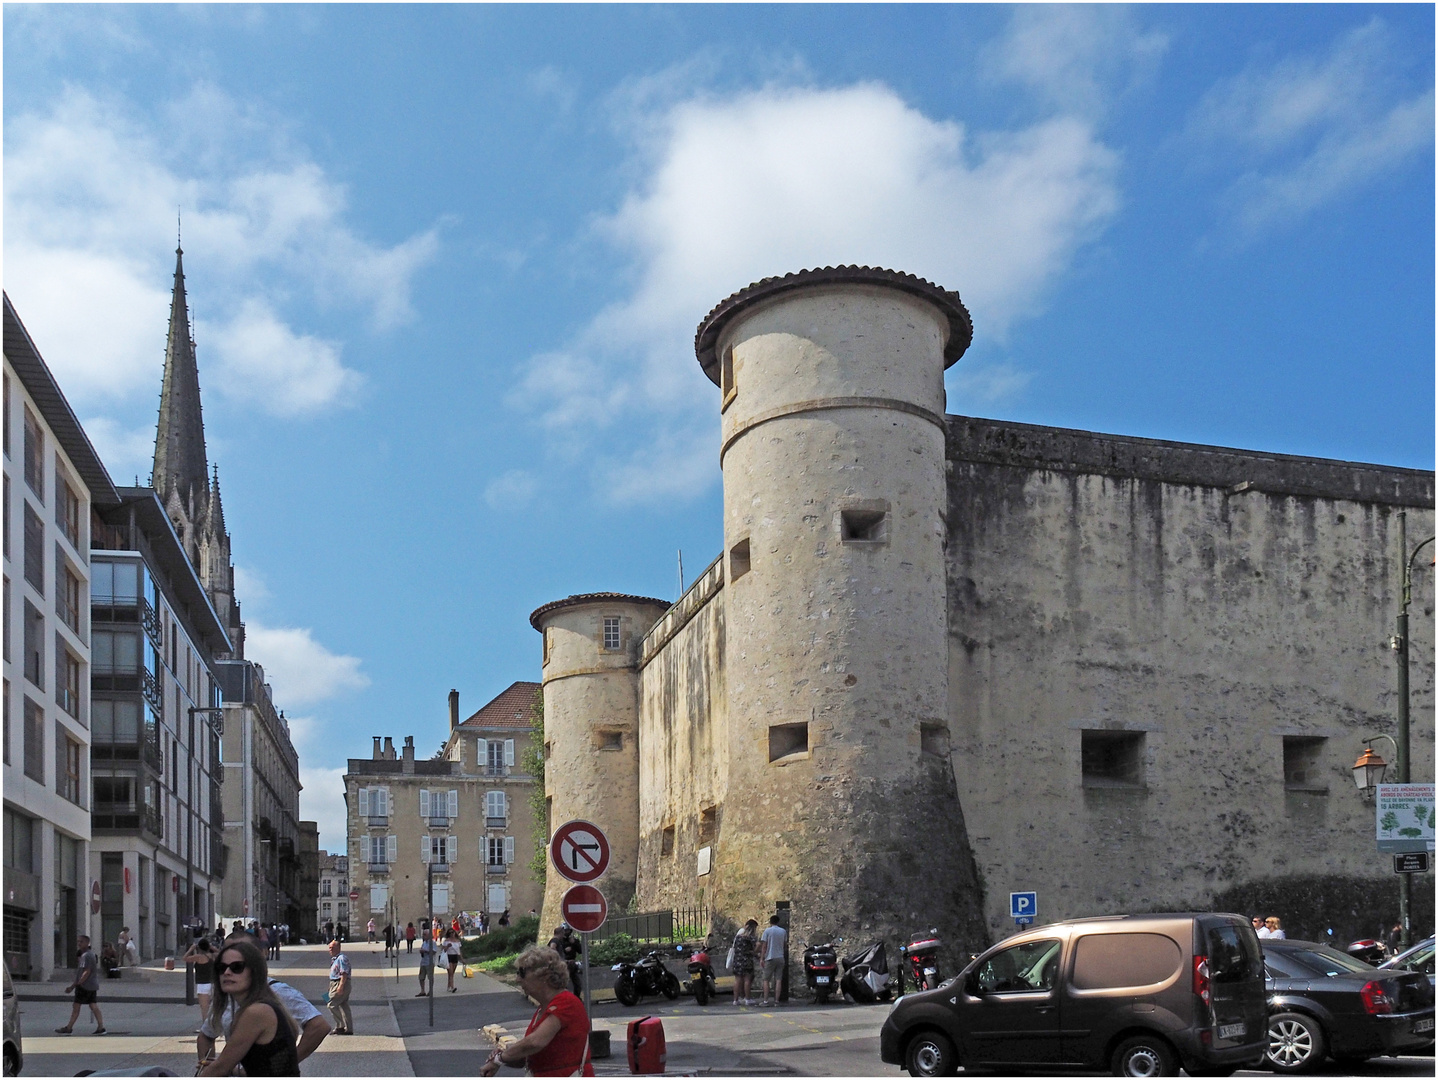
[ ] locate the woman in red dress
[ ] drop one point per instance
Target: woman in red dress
(556, 1043)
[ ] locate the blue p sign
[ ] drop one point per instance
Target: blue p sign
(1023, 905)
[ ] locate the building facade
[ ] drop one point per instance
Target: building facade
(158, 849)
(333, 906)
(942, 659)
(54, 484)
(463, 815)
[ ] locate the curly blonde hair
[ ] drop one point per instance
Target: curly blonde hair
(544, 961)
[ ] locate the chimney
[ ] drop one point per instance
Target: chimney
(453, 709)
(376, 748)
(408, 754)
(388, 748)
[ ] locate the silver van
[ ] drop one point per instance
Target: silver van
(1140, 995)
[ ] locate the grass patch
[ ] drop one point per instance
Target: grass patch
(497, 965)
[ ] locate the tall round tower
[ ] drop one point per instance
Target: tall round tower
(841, 794)
(591, 727)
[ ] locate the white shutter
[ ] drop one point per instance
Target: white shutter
(382, 810)
(424, 849)
(392, 846)
(454, 804)
(503, 801)
(423, 803)
(508, 850)
(451, 848)
(364, 802)
(509, 751)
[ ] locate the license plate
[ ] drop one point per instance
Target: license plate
(1422, 1026)
(825, 978)
(1232, 1031)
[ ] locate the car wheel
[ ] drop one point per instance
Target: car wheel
(931, 1053)
(12, 1061)
(1295, 1043)
(1144, 1055)
(626, 992)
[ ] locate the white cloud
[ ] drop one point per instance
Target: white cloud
(128, 453)
(323, 800)
(263, 361)
(91, 193)
(992, 383)
(300, 669)
(1075, 58)
(1310, 129)
(775, 180)
(250, 586)
(515, 488)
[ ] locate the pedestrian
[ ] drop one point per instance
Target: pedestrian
(123, 944)
(774, 939)
(409, 937)
(1395, 939)
(329, 930)
(1274, 927)
(1258, 926)
(86, 985)
(339, 999)
(504, 919)
(426, 965)
(569, 949)
(370, 928)
(556, 1043)
(451, 956)
(311, 1025)
(745, 944)
(263, 1038)
(202, 955)
(388, 938)
(264, 940)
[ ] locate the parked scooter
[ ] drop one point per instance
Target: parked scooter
(821, 970)
(919, 960)
(647, 977)
(701, 974)
(866, 975)
(1368, 950)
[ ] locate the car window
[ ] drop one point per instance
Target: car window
(1108, 961)
(1419, 959)
(1034, 965)
(1233, 953)
(1281, 966)
(1322, 960)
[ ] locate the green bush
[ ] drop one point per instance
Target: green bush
(502, 940)
(613, 949)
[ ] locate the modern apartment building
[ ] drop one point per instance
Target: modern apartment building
(54, 481)
(464, 813)
(333, 905)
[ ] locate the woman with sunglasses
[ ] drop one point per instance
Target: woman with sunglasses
(262, 1039)
(556, 1043)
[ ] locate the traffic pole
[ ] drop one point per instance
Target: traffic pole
(584, 974)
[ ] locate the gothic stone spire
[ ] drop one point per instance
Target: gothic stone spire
(180, 438)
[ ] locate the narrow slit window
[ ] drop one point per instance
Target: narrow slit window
(863, 526)
(708, 824)
(739, 559)
(666, 841)
(934, 739)
(788, 740)
(727, 389)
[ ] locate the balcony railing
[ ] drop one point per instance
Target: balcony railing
(438, 821)
(380, 820)
(378, 868)
(496, 868)
(439, 867)
(495, 822)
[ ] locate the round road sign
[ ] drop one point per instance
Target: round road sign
(584, 908)
(354, 896)
(95, 898)
(580, 851)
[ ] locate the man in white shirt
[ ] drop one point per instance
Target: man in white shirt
(773, 940)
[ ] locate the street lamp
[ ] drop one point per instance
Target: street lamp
(1368, 770)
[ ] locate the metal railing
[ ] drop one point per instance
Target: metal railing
(679, 924)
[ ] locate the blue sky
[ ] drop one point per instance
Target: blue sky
(446, 265)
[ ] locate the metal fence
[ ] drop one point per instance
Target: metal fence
(680, 924)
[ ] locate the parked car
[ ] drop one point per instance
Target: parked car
(1418, 958)
(1324, 1003)
(14, 1045)
(1142, 995)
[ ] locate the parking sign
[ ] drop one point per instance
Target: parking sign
(1024, 905)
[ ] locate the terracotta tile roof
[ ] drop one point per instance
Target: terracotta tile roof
(511, 709)
(536, 617)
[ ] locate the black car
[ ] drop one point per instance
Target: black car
(1324, 1003)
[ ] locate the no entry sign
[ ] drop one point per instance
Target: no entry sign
(584, 908)
(580, 851)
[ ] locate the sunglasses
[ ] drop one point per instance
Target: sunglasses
(234, 967)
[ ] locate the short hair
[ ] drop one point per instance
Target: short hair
(84, 937)
(773, 920)
(543, 961)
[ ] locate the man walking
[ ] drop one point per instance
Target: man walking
(389, 941)
(774, 938)
(339, 1003)
(86, 985)
(426, 965)
(370, 928)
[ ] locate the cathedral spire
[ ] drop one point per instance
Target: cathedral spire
(180, 437)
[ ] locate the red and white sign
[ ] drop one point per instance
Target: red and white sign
(584, 908)
(354, 896)
(95, 898)
(580, 851)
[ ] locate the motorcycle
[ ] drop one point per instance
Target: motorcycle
(919, 959)
(701, 974)
(648, 976)
(821, 970)
(866, 975)
(1368, 950)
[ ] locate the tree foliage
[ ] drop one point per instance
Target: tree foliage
(531, 761)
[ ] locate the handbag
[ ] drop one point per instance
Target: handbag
(729, 960)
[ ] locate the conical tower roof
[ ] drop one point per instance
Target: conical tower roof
(180, 437)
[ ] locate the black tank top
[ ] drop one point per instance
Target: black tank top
(277, 1057)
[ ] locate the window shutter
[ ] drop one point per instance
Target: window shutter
(423, 803)
(364, 802)
(503, 801)
(392, 846)
(383, 809)
(509, 751)
(454, 803)
(451, 848)
(424, 849)
(508, 850)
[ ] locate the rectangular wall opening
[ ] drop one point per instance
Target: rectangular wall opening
(934, 739)
(788, 740)
(739, 560)
(1303, 763)
(863, 526)
(666, 840)
(1113, 759)
(727, 389)
(609, 740)
(708, 824)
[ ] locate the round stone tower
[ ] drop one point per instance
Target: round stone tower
(842, 798)
(591, 728)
